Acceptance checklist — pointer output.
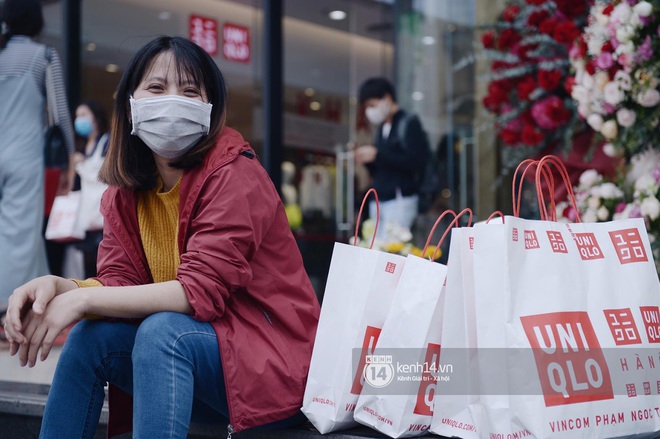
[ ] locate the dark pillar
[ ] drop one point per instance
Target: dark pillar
(272, 91)
(71, 32)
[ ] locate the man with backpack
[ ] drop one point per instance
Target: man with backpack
(397, 159)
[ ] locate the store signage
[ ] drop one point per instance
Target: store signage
(204, 32)
(236, 43)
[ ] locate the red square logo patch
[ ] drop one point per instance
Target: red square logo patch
(556, 242)
(514, 234)
(530, 239)
(390, 267)
(622, 325)
(629, 246)
(651, 319)
(569, 361)
(588, 246)
(471, 241)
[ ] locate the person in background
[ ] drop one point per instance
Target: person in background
(396, 159)
(212, 312)
(22, 107)
(91, 124)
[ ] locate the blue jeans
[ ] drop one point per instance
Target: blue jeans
(170, 363)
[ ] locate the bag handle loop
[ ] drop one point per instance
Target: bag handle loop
(357, 223)
(452, 225)
(527, 164)
(545, 163)
(435, 225)
(494, 214)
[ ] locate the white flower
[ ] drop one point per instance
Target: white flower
(610, 190)
(624, 33)
(601, 79)
(590, 216)
(643, 9)
(650, 208)
(625, 214)
(609, 129)
(623, 78)
(627, 48)
(595, 121)
(593, 202)
(603, 213)
(613, 93)
(642, 163)
(649, 98)
(626, 117)
(612, 151)
(590, 177)
(621, 13)
(645, 183)
(580, 93)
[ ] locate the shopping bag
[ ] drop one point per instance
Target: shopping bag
(568, 319)
(357, 297)
(63, 221)
(91, 189)
(409, 343)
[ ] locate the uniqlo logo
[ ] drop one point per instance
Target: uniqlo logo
(651, 319)
(622, 326)
(390, 267)
(471, 241)
(628, 245)
(588, 246)
(569, 361)
(368, 345)
(631, 390)
(426, 392)
(556, 242)
(647, 387)
(530, 239)
(514, 234)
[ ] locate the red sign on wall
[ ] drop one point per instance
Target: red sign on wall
(203, 31)
(236, 43)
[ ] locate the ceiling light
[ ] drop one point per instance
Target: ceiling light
(337, 15)
(165, 15)
(417, 95)
(309, 92)
(314, 105)
(91, 47)
(428, 40)
(112, 68)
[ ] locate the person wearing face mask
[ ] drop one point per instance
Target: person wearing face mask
(91, 125)
(203, 309)
(397, 158)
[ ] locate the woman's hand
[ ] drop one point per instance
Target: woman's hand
(40, 330)
(365, 154)
(33, 296)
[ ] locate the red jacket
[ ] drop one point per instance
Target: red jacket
(241, 270)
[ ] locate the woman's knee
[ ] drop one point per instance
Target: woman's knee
(157, 333)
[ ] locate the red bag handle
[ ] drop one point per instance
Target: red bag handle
(437, 222)
(451, 225)
(544, 163)
(516, 198)
(494, 214)
(357, 223)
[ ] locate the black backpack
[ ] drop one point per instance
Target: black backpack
(428, 177)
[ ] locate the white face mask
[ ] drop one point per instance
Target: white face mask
(378, 113)
(170, 125)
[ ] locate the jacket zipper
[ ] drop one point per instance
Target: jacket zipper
(230, 431)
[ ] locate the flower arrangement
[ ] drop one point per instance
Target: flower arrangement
(398, 240)
(617, 73)
(635, 194)
(529, 92)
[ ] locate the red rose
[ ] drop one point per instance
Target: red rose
(525, 87)
(565, 32)
(488, 40)
(569, 83)
(490, 104)
(607, 47)
(535, 2)
(530, 136)
(497, 92)
(509, 137)
(608, 9)
(590, 67)
(508, 37)
(536, 17)
(549, 79)
(500, 65)
(572, 8)
(511, 12)
(547, 26)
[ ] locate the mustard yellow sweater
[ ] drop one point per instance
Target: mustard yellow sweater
(158, 219)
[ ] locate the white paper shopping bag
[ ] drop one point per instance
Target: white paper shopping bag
(63, 220)
(359, 290)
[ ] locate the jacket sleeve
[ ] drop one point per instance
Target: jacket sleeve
(411, 152)
(231, 216)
